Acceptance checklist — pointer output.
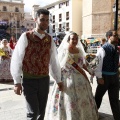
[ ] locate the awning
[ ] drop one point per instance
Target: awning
(92, 40)
(97, 40)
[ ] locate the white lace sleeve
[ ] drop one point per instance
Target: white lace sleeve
(63, 58)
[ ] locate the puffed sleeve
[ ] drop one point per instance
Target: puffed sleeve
(54, 67)
(17, 58)
(100, 54)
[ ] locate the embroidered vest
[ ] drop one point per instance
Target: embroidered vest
(111, 59)
(37, 55)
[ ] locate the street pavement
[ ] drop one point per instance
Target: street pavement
(12, 106)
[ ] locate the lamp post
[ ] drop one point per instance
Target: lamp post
(16, 30)
(115, 10)
(13, 26)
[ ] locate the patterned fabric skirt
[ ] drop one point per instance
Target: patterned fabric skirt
(76, 102)
(5, 70)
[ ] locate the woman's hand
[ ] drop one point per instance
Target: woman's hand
(60, 86)
(100, 81)
(85, 68)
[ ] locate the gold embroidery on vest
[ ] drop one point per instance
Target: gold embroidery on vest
(46, 40)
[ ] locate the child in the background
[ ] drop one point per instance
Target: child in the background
(5, 75)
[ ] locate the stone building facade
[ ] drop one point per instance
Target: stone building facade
(12, 16)
(98, 17)
(13, 19)
(86, 17)
(89, 18)
(65, 16)
(28, 22)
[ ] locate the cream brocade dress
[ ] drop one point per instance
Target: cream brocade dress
(5, 66)
(76, 102)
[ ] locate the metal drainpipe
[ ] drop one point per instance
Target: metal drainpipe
(116, 16)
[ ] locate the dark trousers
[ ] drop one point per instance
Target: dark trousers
(111, 83)
(36, 94)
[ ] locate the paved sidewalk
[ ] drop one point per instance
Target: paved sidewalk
(12, 107)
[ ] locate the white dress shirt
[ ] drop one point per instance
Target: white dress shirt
(18, 56)
(100, 54)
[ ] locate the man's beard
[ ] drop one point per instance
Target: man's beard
(114, 42)
(41, 28)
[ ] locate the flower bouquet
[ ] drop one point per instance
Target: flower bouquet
(92, 62)
(2, 53)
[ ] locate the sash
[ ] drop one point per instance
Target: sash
(75, 65)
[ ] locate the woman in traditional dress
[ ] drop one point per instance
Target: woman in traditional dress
(5, 75)
(76, 101)
(12, 42)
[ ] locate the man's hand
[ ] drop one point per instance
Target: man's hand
(100, 81)
(18, 89)
(60, 86)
